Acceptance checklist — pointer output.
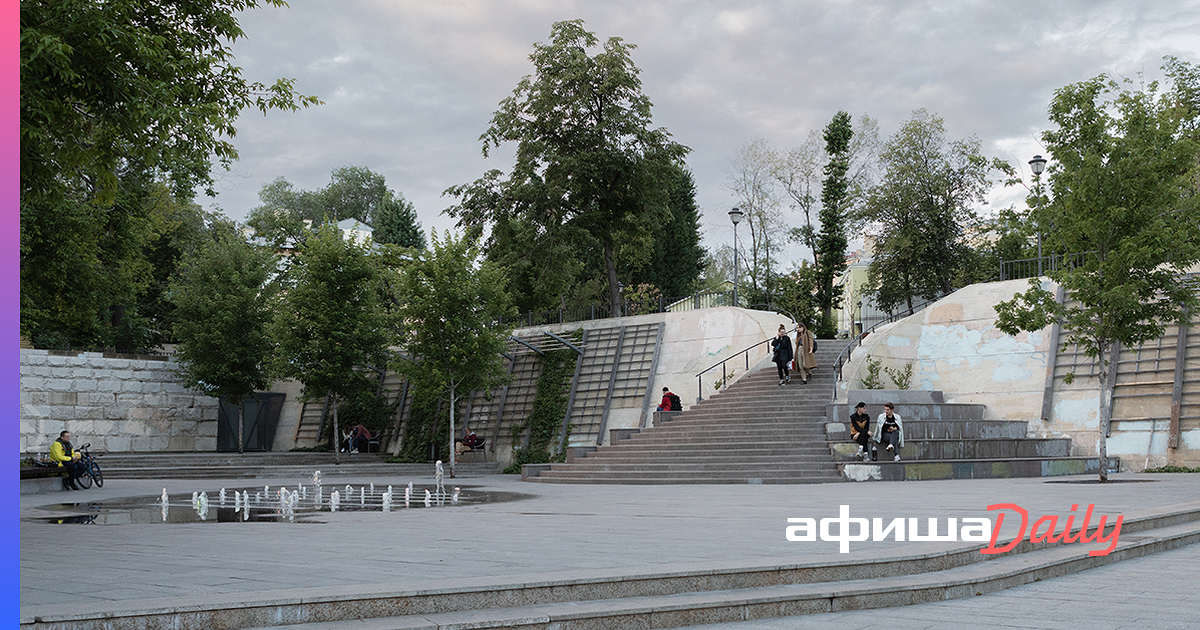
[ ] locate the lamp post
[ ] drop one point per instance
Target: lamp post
(1037, 165)
(735, 215)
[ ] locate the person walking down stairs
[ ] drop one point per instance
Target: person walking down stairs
(806, 349)
(781, 354)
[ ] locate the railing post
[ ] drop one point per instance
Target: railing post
(699, 388)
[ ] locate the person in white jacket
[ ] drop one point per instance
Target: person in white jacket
(891, 430)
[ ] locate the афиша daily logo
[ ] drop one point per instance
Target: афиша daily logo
(1044, 530)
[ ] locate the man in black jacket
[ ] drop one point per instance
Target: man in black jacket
(860, 428)
(781, 354)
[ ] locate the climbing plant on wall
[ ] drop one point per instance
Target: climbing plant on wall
(544, 423)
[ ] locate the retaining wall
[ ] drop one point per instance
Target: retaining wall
(116, 404)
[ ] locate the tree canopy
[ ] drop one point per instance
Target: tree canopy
(353, 192)
(119, 98)
(148, 83)
(922, 204)
(449, 303)
(223, 306)
(587, 158)
(1125, 207)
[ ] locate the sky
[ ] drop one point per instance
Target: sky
(409, 86)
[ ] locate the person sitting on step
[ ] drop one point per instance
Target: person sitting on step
(860, 428)
(891, 430)
(670, 401)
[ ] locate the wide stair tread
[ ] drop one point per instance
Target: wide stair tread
(699, 594)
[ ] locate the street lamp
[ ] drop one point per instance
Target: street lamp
(1037, 165)
(735, 215)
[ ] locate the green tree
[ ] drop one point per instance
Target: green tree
(223, 306)
(149, 83)
(920, 207)
(677, 258)
(448, 302)
(1125, 205)
(116, 96)
(830, 252)
(797, 294)
(586, 159)
(395, 222)
(95, 274)
(353, 192)
(330, 326)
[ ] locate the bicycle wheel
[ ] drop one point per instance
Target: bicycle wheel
(97, 476)
(84, 480)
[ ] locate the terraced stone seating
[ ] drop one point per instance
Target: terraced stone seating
(948, 441)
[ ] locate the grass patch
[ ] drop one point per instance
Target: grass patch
(1173, 469)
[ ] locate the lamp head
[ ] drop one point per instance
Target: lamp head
(1038, 164)
(735, 215)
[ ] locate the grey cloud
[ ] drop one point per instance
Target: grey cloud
(410, 85)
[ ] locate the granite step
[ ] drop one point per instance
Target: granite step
(623, 599)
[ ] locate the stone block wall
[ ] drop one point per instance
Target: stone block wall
(117, 405)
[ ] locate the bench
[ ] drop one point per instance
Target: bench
(41, 472)
(38, 479)
(478, 449)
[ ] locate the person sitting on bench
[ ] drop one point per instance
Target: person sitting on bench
(468, 442)
(62, 452)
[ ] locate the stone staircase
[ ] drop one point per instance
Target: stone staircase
(949, 441)
(753, 431)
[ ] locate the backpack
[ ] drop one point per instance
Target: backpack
(676, 404)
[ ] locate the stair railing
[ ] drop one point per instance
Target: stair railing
(844, 356)
(721, 364)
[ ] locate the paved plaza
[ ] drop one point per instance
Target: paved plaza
(582, 530)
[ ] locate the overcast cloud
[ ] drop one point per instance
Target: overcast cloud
(410, 85)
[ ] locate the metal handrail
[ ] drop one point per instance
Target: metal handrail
(724, 376)
(844, 356)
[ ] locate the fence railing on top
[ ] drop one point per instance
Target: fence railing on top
(593, 311)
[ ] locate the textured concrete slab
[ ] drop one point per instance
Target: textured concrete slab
(563, 530)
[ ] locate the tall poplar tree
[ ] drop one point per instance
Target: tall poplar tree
(830, 250)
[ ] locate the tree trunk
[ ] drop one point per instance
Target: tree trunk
(337, 434)
(614, 288)
(241, 421)
(1108, 370)
(453, 454)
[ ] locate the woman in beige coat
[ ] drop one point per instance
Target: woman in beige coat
(806, 346)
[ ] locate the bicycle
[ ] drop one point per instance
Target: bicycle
(91, 471)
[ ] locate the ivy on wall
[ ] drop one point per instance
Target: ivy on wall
(549, 406)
